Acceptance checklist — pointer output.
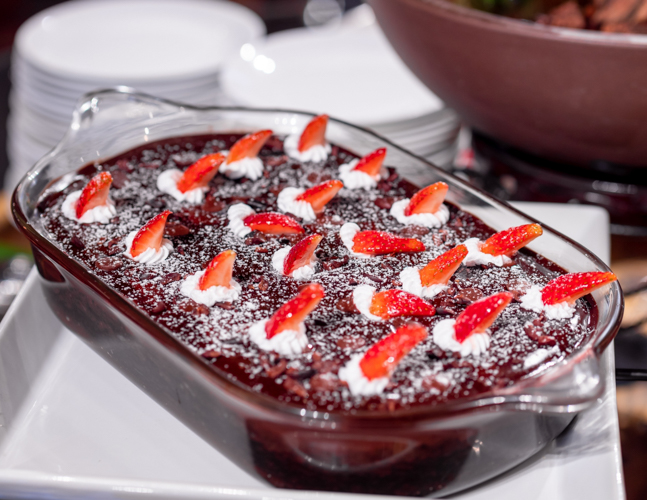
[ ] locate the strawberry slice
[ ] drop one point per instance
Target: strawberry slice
(372, 162)
(94, 194)
(380, 243)
(570, 287)
(478, 316)
(383, 357)
(428, 200)
(219, 271)
(507, 242)
(318, 196)
(393, 303)
(249, 146)
(273, 223)
(200, 173)
(301, 254)
(439, 270)
(291, 314)
(151, 235)
(314, 134)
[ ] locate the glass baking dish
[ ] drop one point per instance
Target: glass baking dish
(445, 448)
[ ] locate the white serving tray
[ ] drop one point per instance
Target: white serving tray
(72, 427)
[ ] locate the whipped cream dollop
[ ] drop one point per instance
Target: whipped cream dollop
(101, 213)
(437, 219)
(411, 282)
(445, 337)
(358, 383)
(189, 288)
(300, 273)
(236, 214)
(532, 301)
(149, 256)
(475, 257)
(347, 234)
(539, 356)
(286, 343)
(315, 153)
(288, 203)
(357, 179)
(252, 168)
(362, 298)
(167, 183)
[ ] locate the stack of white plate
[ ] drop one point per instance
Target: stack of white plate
(169, 48)
(350, 72)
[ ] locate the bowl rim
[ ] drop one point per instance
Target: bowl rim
(529, 29)
(513, 398)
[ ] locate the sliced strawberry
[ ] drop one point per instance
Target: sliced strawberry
(291, 314)
(200, 173)
(301, 254)
(372, 162)
(314, 134)
(507, 242)
(94, 194)
(249, 146)
(478, 316)
(428, 200)
(219, 271)
(319, 196)
(394, 303)
(273, 223)
(380, 243)
(439, 270)
(151, 235)
(384, 356)
(570, 287)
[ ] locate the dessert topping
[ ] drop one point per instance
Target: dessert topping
(307, 203)
(370, 243)
(467, 334)
(193, 183)
(92, 204)
(215, 283)
(425, 208)
(148, 245)
(311, 145)
(298, 261)
(558, 297)
(389, 303)
(284, 332)
(363, 173)
(498, 249)
(368, 374)
(433, 278)
(243, 160)
(243, 220)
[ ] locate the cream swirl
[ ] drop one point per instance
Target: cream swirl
(445, 337)
(190, 288)
(437, 219)
(411, 282)
(167, 183)
(288, 203)
(358, 383)
(356, 179)
(533, 302)
(300, 273)
(315, 153)
(362, 298)
(475, 257)
(286, 343)
(236, 214)
(150, 256)
(101, 213)
(252, 168)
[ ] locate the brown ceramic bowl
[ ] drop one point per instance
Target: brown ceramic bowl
(570, 95)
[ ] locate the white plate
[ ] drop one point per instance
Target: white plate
(351, 73)
(72, 427)
(143, 40)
